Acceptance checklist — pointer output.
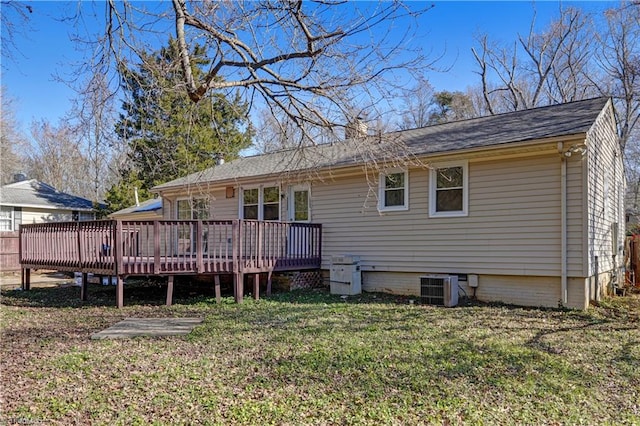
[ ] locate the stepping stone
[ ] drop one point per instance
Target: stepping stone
(151, 327)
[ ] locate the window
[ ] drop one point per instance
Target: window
(87, 216)
(271, 203)
(448, 189)
(200, 209)
(10, 218)
(299, 210)
(261, 203)
(193, 209)
(6, 219)
(250, 199)
(393, 192)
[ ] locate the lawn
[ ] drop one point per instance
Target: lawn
(307, 357)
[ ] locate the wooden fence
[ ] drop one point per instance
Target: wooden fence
(9, 251)
(632, 260)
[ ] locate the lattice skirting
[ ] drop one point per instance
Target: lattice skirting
(296, 280)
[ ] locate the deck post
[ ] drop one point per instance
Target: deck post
(85, 287)
(256, 286)
(170, 290)
(119, 291)
(239, 287)
(269, 282)
(26, 279)
(216, 285)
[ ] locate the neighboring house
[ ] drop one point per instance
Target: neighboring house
(147, 210)
(529, 203)
(31, 201)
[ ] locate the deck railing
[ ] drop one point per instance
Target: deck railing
(171, 247)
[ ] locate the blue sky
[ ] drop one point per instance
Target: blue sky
(449, 27)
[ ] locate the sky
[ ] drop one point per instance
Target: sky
(448, 29)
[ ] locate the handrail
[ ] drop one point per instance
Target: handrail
(167, 247)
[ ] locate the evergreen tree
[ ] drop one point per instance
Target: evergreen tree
(450, 106)
(167, 134)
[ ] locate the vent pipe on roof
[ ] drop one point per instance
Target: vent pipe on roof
(219, 159)
(19, 177)
(135, 193)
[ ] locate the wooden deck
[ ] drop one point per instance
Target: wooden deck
(169, 248)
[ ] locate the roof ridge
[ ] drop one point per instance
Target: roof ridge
(531, 124)
(502, 114)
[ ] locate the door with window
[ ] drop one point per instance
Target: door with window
(299, 238)
(191, 209)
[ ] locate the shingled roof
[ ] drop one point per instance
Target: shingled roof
(33, 193)
(485, 132)
(145, 206)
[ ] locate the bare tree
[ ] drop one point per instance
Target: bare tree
(307, 61)
(56, 158)
(274, 134)
(618, 55)
(14, 20)
(539, 69)
(416, 105)
(94, 117)
(619, 58)
(12, 142)
(575, 58)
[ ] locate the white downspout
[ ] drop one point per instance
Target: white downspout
(563, 225)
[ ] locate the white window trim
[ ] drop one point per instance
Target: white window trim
(190, 200)
(291, 202)
(465, 189)
(241, 200)
(11, 219)
(260, 201)
(382, 188)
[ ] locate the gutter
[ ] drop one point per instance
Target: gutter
(565, 154)
(563, 224)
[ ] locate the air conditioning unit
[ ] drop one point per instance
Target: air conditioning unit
(439, 290)
(345, 275)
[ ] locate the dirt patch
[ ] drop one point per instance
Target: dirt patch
(40, 279)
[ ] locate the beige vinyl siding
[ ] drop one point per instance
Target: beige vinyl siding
(513, 225)
(148, 215)
(606, 188)
(518, 290)
(531, 290)
(33, 215)
(575, 214)
(223, 208)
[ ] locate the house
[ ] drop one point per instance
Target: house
(32, 201)
(524, 207)
(146, 210)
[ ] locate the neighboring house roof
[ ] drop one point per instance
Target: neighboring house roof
(36, 194)
(492, 131)
(146, 206)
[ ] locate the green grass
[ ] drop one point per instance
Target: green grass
(307, 357)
